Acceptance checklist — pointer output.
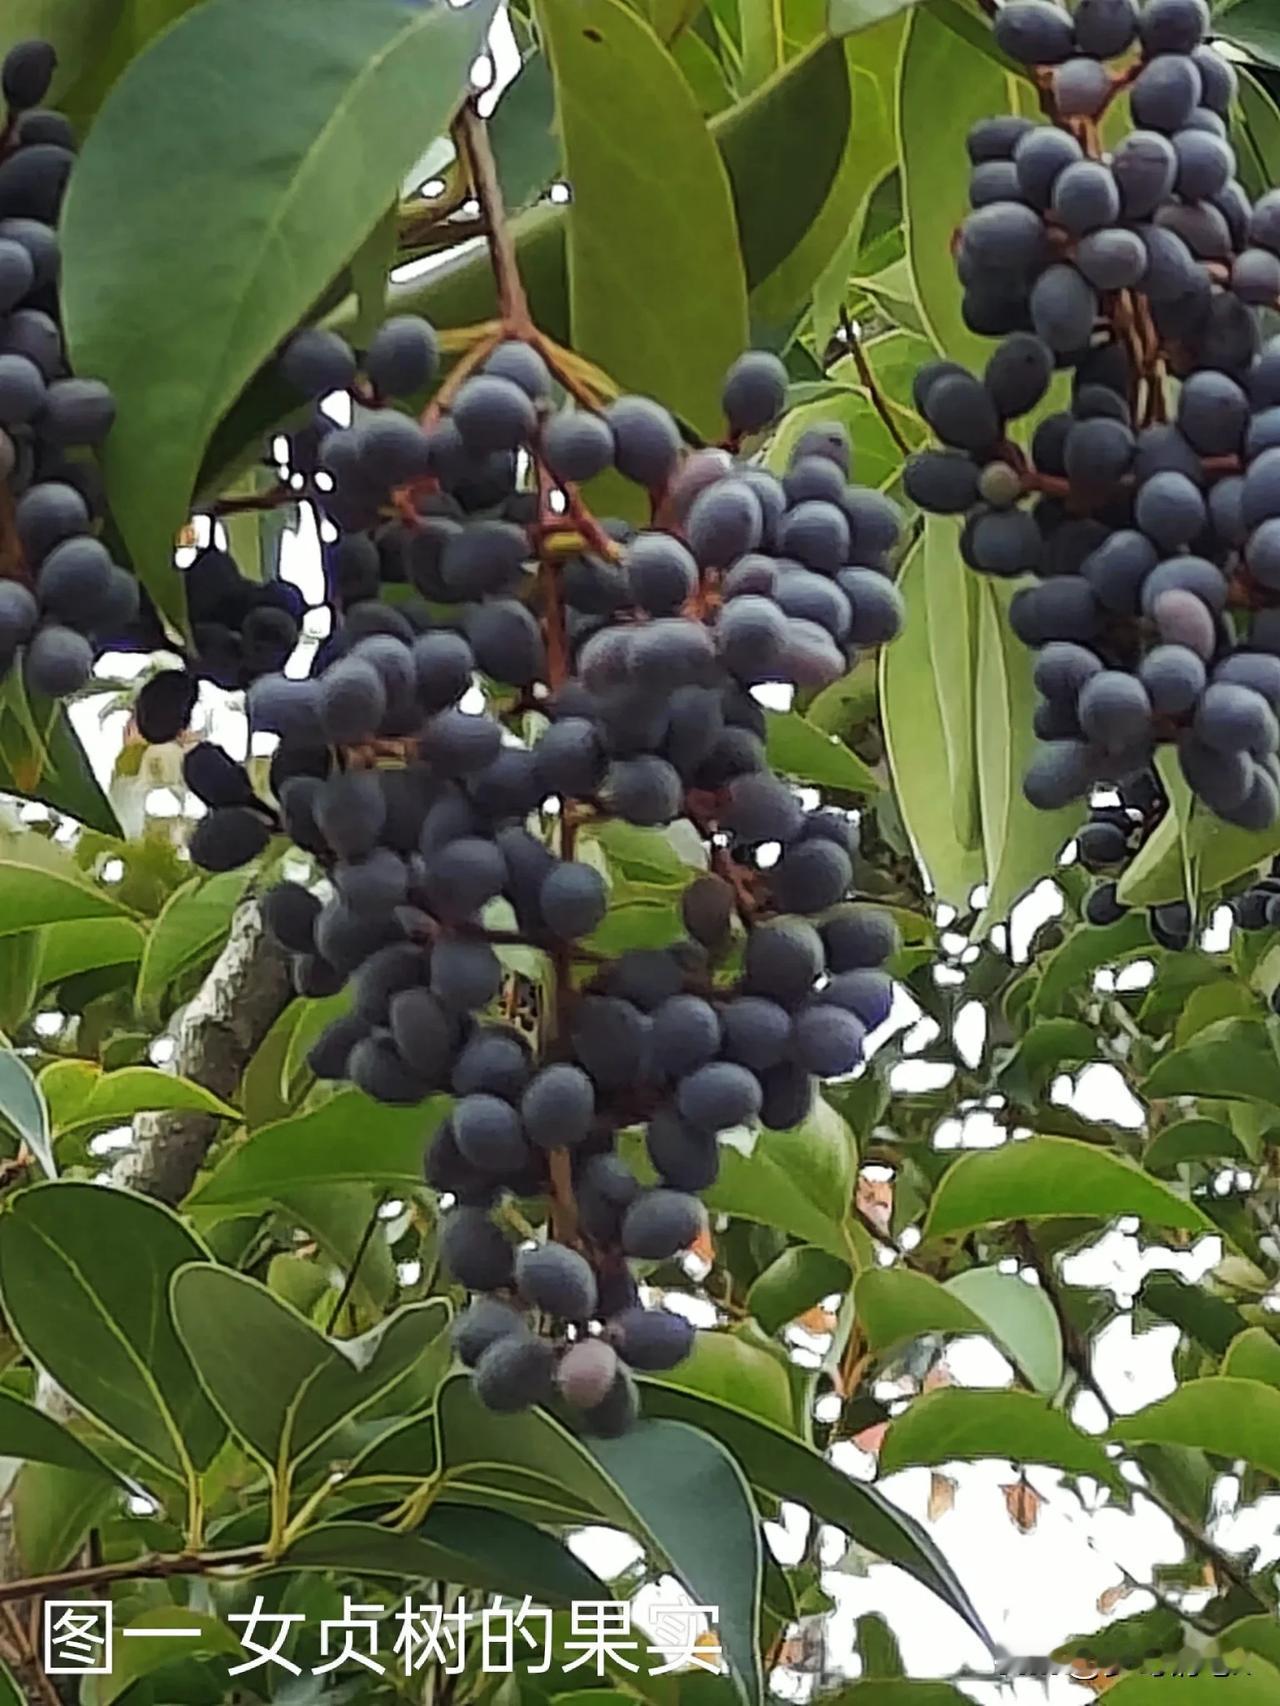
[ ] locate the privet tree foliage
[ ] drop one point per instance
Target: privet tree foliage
(641, 714)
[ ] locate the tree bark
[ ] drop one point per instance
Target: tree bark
(221, 1027)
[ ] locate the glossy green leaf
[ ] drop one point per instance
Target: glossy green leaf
(1200, 1314)
(641, 1484)
(1233, 1059)
(22, 1105)
(800, 1277)
(1042, 1177)
(1259, 1635)
(1253, 1355)
(1221, 852)
(43, 758)
(845, 17)
(1191, 1140)
(84, 1280)
(915, 726)
(952, 602)
(1252, 25)
(69, 948)
(522, 132)
(896, 1304)
(177, 328)
(1221, 1414)
(869, 148)
(36, 891)
(797, 748)
(1017, 1316)
(657, 295)
(694, 1501)
(780, 170)
(30, 1434)
(80, 1095)
(298, 1387)
(799, 1180)
(53, 1511)
(935, 167)
(1256, 1684)
(1020, 844)
(191, 927)
(958, 1425)
(316, 1148)
(135, 1660)
(777, 1463)
(457, 1543)
(1065, 972)
(730, 1369)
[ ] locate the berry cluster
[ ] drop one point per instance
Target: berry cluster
(1155, 541)
(618, 666)
(62, 599)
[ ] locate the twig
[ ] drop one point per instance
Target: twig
(275, 498)
(472, 138)
(868, 379)
(349, 1284)
(158, 1567)
(29, 1658)
(1076, 1352)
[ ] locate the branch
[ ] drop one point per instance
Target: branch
(878, 401)
(157, 1567)
(1076, 1351)
(472, 138)
(246, 990)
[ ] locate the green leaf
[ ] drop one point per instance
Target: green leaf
(70, 948)
(1038, 1178)
(844, 17)
(136, 1659)
(23, 1106)
(935, 171)
(1234, 1059)
(1221, 1414)
(1252, 25)
(915, 716)
(1042, 1050)
(869, 150)
(646, 1485)
(191, 927)
(30, 1434)
(78, 29)
(370, 270)
(657, 295)
(1065, 972)
(316, 1148)
(1259, 1635)
(957, 1425)
(1201, 1314)
(176, 337)
(1019, 1317)
(1253, 1355)
(800, 1181)
(34, 893)
(952, 603)
(878, 1647)
(522, 133)
(264, 1088)
(797, 748)
(1191, 1140)
(1258, 1684)
(458, 1543)
(731, 1370)
(81, 1095)
(1020, 844)
(800, 1277)
(298, 1388)
(895, 1304)
(694, 1502)
(779, 1464)
(780, 169)
(10, 1693)
(43, 758)
(53, 1511)
(642, 855)
(1220, 851)
(84, 1278)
